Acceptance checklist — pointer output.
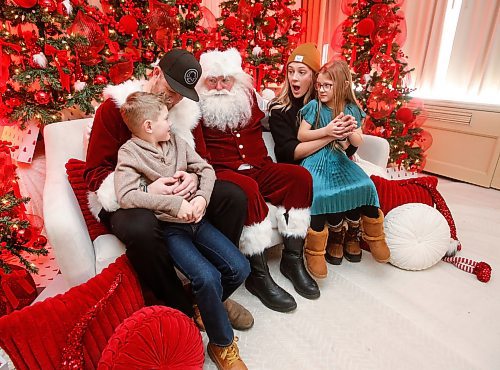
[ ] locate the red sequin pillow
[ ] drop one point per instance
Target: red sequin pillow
(37, 336)
(74, 169)
(155, 337)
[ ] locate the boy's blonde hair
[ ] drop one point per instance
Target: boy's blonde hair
(139, 107)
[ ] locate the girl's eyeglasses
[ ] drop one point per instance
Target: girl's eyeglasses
(325, 87)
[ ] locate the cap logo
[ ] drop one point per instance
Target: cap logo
(298, 58)
(191, 76)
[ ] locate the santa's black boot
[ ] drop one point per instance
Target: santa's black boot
(261, 284)
(292, 266)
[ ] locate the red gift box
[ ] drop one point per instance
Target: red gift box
(17, 290)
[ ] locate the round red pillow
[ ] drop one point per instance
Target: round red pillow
(154, 337)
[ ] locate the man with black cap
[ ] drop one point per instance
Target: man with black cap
(175, 77)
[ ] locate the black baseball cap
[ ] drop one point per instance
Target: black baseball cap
(182, 71)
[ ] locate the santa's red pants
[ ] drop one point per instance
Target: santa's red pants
(280, 184)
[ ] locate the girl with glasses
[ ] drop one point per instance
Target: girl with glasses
(343, 194)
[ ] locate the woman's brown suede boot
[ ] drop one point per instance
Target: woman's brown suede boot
(352, 250)
(314, 251)
(374, 236)
(334, 246)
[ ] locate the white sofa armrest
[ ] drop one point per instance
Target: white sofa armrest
(375, 150)
(64, 223)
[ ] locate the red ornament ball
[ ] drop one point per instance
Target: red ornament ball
(405, 115)
(296, 27)
(148, 56)
(25, 3)
(24, 236)
(100, 80)
(50, 5)
(380, 103)
(173, 11)
(40, 242)
(128, 24)
(268, 26)
(51, 30)
(273, 73)
(42, 97)
(366, 26)
(13, 102)
(190, 16)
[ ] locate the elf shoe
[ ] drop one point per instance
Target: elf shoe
(334, 246)
(314, 251)
(352, 250)
(226, 358)
(374, 236)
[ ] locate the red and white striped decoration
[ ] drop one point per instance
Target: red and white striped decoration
(481, 269)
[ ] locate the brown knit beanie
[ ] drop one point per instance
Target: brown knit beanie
(308, 54)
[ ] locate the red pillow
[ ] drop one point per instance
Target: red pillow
(35, 336)
(74, 169)
(154, 337)
(394, 193)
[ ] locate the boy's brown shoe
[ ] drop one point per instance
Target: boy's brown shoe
(239, 317)
(226, 358)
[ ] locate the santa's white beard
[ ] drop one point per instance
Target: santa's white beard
(225, 109)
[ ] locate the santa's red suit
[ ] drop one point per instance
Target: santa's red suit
(109, 132)
(240, 156)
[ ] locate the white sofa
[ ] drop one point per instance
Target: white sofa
(78, 258)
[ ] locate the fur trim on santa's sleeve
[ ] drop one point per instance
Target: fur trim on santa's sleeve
(184, 116)
(106, 194)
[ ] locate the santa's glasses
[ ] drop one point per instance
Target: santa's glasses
(224, 81)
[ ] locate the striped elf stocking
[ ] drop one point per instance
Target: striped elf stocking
(481, 269)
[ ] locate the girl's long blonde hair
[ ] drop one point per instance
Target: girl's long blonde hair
(343, 93)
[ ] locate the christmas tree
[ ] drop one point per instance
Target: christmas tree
(61, 54)
(264, 31)
(19, 232)
(370, 40)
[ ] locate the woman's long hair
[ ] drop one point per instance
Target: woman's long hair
(283, 101)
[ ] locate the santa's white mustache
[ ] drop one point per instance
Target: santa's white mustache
(214, 92)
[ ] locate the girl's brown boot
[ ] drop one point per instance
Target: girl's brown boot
(374, 236)
(334, 246)
(352, 250)
(314, 251)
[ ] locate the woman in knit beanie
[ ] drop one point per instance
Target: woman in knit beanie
(301, 69)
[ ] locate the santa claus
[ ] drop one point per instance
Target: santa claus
(230, 138)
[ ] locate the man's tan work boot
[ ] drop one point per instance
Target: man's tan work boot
(239, 317)
(226, 358)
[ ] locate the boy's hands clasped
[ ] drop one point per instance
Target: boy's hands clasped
(193, 210)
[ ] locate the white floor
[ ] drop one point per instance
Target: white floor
(373, 316)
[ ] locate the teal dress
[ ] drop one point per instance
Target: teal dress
(339, 184)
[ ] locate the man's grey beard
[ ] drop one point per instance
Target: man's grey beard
(224, 109)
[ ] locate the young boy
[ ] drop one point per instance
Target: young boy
(208, 259)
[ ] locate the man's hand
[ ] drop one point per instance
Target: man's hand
(163, 186)
(186, 211)
(188, 183)
(199, 206)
